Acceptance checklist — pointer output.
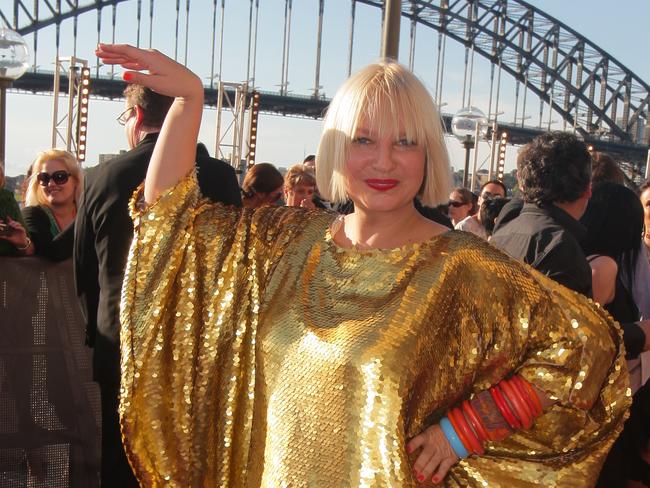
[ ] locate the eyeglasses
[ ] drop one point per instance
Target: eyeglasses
(124, 117)
(454, 203)
(58, 177)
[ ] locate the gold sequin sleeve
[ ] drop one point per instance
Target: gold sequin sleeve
(190, 307)
(569, 348)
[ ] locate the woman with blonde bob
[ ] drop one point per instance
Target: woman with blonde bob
(52, 196)
(282, 346)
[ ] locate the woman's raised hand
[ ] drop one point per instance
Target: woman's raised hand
(435, 457)
(175, 151)
(165, 76)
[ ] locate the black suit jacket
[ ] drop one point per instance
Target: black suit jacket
(103, 234)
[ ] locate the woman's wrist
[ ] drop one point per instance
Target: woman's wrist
(492, 415)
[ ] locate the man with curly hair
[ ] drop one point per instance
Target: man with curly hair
(554, 173)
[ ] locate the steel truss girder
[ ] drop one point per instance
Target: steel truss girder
(28, 17)
(522, 49)
(528, 36)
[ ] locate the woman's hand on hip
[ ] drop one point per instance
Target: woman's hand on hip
(435, 457)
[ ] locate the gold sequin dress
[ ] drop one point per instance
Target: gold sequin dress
(256, 352)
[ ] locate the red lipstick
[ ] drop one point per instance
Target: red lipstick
(382, 184)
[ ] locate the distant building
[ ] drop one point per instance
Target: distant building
(107, 157)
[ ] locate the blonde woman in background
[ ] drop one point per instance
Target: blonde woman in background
(51, 200)
(299, 187)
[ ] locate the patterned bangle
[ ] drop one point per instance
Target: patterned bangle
(519, 406)
(503, 407)
(26, 246)
(452, 438)
(532, 394)
(475, 422)
(465, 432)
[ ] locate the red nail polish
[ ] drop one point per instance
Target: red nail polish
(409, 449)
(435, 479)
(128, 76)
(420, 478)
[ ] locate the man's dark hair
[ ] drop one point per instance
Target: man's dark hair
(308, 158)
(494, 182)
(554, 167)
(489, 211)
(154, 105)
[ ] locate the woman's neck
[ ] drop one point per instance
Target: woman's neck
(64, 215)
(386, 230)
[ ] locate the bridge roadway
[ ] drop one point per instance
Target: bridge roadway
(306, 106)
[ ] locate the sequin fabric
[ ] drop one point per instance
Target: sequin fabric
(256, 352)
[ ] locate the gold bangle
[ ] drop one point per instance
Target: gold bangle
(26, 246)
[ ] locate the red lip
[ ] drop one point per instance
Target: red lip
(381, 184)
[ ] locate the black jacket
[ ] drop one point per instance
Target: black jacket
(103, 236)
(548, 239)
(55, 247)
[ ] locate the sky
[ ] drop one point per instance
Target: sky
(284, 141)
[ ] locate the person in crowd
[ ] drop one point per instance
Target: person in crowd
(285, 346)
(102, 239)
(614, 220)
(262, 186)
(472, 223)
(310, 162)
(299, 187)
(604, 168)
(53, 191)
(489, 211)
(13, 237)
(461, 204)
(554, 173)
(644, 190)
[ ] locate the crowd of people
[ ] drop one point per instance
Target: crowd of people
(352, 322)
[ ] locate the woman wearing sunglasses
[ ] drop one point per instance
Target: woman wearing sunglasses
(51, 204)
(288, 347)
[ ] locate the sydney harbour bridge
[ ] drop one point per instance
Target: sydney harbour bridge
(539, 73)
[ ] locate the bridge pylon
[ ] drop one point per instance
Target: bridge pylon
(70, 124)
(232, 98)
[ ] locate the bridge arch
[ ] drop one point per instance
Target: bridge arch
(590, 89)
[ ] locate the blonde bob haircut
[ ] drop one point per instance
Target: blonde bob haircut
(34, 195)
(389, 98)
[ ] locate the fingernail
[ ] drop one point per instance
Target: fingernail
(409, 449)
(128, 76)
(435, 479)
(420, 478)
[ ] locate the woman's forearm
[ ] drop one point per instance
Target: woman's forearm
(174, 154)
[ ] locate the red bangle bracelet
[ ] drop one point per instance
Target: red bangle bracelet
(503, 407)
(459, 432)
(518, 404)
(532, 395)
(460, 422)
(475, 422)
(516, 383)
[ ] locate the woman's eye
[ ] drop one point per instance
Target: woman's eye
(406, 142)
(361, 140)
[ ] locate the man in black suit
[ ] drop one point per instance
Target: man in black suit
(102, 239)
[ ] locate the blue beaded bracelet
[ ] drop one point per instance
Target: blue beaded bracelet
(452, 437)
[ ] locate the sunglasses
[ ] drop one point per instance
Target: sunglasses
(486, 195)
(454, 203)
(58, 177)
